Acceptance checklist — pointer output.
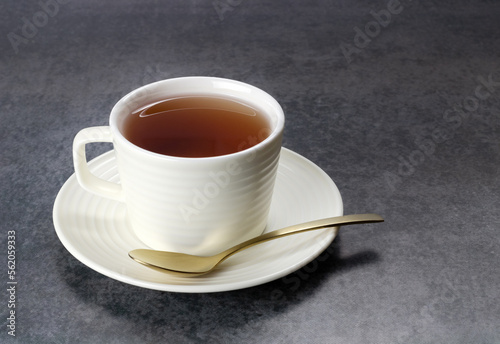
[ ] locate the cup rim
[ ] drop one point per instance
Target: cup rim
(121, 106)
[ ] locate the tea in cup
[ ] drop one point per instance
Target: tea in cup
(197, 159)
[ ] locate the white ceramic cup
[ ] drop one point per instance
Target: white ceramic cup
(192, 205)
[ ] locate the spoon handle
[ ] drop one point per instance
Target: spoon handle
(304, 227)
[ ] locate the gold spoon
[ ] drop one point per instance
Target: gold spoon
(187, 265)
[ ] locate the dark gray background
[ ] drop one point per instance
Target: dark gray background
(402, 122)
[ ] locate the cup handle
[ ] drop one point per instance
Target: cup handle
(86, 179)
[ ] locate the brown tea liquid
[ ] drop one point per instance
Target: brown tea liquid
(196, 127)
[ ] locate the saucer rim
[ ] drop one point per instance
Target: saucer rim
(327, 237)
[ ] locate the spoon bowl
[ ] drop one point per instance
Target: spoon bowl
(187, 265)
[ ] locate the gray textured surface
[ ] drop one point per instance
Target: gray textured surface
(384, 123)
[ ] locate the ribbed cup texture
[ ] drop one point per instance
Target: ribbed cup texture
(198, 206)
(96, 231)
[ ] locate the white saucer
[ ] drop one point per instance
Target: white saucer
(95, 231)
